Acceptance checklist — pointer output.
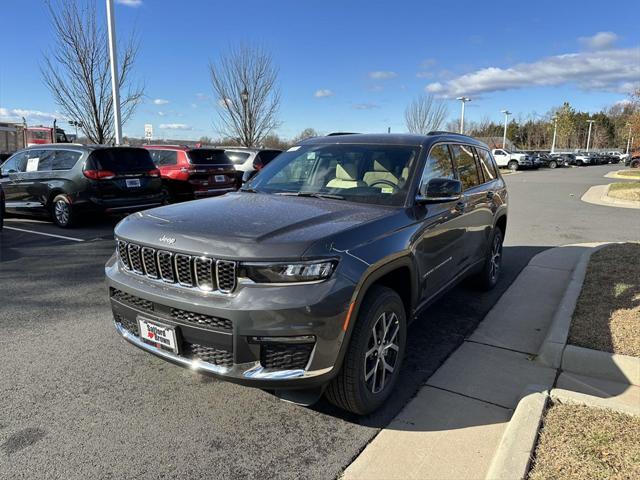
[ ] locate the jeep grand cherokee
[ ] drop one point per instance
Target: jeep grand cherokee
(303, 282)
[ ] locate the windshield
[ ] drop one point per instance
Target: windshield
(376, 174)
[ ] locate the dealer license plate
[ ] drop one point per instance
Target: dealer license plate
(158, 335)
(133, 182)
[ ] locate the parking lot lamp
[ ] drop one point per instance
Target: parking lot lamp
(244, 96)
(115, 87)
(555, 132)
(506, 121)
(590, 122)
(463, 100)
(629, 138)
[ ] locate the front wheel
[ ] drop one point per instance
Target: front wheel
(62, 212)
(372, 363)
(513, 165)
(552, 164)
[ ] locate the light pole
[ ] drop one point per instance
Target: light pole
(590, 122)
(463, 100)
(506, 121)
(244, 96)
(629, 138)
(115, 87)
(555, 132)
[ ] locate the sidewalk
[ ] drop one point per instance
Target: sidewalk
(452, 428)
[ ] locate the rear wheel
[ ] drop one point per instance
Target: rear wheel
(62, 212)
(167, 197)
(635, 163)
(513, 165)
(490, 274)
(553, 164)
(374, 356)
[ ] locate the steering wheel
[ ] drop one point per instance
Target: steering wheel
(385, 182)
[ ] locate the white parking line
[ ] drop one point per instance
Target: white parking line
(45, 234)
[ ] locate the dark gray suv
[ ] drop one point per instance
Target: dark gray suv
(304, 281)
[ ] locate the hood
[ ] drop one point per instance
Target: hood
(246, 226)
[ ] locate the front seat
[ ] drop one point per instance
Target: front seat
(381, 171)
(346, 177)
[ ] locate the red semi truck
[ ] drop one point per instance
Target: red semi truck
(14, 136)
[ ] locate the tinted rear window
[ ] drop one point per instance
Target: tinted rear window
(208, 156)
(121, 160)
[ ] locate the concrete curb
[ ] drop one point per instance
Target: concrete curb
(621, 177)
(550, 353)
(594, 363)
(568, 397)
(515, 452)
(597, 195)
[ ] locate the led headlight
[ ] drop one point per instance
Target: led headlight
(289, 272)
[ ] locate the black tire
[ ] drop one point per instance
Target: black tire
(512, 165)
(579, 163)
(62, 212)
(349, 390)
(488, 277)
(1, 211)
(167, 196)
(635, 163)
(553, 164)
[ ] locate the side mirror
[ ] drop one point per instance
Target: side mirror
(438, 190)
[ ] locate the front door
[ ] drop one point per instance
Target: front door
(11, 178)
(441, 239)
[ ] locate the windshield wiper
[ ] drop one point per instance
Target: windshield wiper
(311, 194)
(249, 190)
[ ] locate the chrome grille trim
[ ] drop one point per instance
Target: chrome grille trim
(149, 262)
(184, 270)
(226, 275)
(203, 273)
(134, 258)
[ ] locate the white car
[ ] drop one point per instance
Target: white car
(513, 161)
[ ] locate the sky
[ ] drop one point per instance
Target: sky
(348, 65)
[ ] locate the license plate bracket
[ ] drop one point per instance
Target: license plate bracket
(132, 182)
(220, 178)
(158, 334)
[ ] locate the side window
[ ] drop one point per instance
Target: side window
(15, 164)
(487, 165)
(45, 163)
(34, 157)
(467, 170)
(163, 158)
(499, 152)
(65, 159)
(438, 164)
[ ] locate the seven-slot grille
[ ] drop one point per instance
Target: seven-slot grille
(204, 273)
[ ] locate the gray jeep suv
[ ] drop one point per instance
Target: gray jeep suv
(304, 281)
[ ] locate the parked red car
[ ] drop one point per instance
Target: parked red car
(190, 173)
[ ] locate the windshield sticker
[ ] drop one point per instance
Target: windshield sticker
(386, 189)
(32, 164)
(293, 149)
(311, 156)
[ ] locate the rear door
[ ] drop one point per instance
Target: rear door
(131, 171)
(475, 212)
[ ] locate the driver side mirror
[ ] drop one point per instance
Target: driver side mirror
(438, 190)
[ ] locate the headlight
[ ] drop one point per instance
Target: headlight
(289, 272)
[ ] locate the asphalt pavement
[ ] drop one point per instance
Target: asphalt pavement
(78, 401)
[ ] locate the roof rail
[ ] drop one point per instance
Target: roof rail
(444, 132)
(335, 134)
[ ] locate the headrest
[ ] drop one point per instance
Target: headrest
(346, 171)
(383, 164)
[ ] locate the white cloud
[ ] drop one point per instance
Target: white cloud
(162, 114)
(323, 92)
(130, 3)
(613, 71)
(599, 41)
(382, 75)
(365, 106)
(424, 75)
(160, 101)
(174, 126)
(32, 116)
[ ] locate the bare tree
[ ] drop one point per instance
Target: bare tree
(76, 70)
(425, 114)
(244, 81)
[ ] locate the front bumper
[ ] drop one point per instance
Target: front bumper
(258, 318)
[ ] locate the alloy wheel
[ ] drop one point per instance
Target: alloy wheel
(61, 211)
(383, 348)
(496, 258)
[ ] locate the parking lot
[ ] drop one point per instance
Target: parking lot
(79, 402)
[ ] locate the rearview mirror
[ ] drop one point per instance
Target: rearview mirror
(440, 190)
